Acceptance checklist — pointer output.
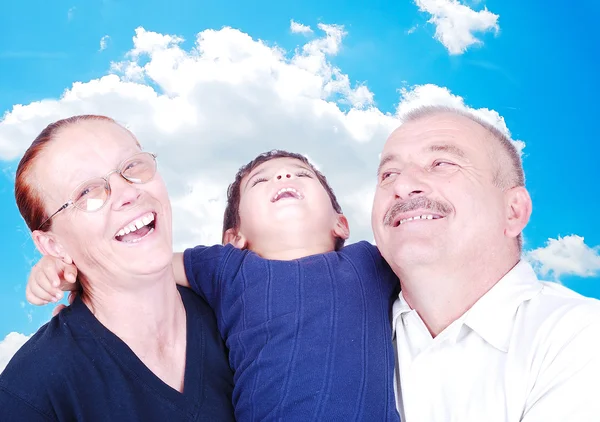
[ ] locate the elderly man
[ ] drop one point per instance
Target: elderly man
(478, 337)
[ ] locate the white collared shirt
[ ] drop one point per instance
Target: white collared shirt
(526, 351)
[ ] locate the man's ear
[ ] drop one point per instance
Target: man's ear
(341, 228)
(518, 203)
(47, 244)
(236, 238)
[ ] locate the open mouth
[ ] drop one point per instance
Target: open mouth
(287, 193)
(417, 218)
(138, 229)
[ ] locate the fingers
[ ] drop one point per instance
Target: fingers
(44, 282)
(68, 275)
(38, 296)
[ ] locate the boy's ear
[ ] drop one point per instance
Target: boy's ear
(236, 238)
(341, 228)
(47, 244)
(518, 203)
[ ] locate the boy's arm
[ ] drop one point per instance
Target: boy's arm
(48, 278)
(201, 266)
(179, 270)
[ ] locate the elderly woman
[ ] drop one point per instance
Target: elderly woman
(132, 346)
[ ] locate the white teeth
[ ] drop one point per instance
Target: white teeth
(283, 190)
(136, 224)
(418, 217)
(138, 239)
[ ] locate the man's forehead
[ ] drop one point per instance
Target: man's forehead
(444, 128)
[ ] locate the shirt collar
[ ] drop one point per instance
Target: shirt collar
(399, 308)
(493, 316)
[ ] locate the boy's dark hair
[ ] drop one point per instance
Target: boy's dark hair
(231, 219)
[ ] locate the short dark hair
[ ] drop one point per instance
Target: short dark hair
(231, 218)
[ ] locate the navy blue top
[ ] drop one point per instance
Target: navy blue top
(74, 369)
(309, 339)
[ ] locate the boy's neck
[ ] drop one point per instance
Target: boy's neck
(287, 250)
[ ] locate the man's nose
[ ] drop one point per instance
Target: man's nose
(411, 182)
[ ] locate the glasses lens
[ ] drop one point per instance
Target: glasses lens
(140, 168)
(91, 195)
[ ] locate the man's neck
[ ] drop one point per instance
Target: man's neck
(443, 293)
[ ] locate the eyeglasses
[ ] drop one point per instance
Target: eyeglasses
(93, 194)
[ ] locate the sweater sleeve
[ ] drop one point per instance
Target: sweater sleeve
(202, 267)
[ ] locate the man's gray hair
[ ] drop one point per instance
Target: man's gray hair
(503, 178)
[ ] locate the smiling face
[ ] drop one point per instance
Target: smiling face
(436, 200)
(131, 235)
(284, 195)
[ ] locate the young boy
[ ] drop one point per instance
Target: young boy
(305, 319)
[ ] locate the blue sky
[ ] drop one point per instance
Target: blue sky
(538, 71)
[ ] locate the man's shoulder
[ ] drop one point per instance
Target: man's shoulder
(555, 298)
(559, 316)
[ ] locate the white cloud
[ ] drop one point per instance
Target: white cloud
(71, 13)
(298, 28)
(210, 109)
(412, 29)
(567, 255)
(456, 23)
(104, 42)
(9, 346)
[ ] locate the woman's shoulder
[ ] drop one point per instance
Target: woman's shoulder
(47, 348)
(36, 368)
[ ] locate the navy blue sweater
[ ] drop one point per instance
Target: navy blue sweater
(309, 339)
(74, 369)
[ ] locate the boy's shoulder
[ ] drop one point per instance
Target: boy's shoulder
(361, 249)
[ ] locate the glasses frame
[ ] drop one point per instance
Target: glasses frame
(119, 171)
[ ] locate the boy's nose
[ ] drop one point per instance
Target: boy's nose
(283, 175)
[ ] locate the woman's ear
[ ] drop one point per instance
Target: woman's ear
(48, 244)
(236, 238)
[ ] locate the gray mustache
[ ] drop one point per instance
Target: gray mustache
(419, 203)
